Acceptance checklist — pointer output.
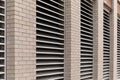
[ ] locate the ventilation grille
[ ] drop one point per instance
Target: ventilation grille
(86, 40)
(106, 44)
(2, 40)
(118, 48)
(50, 40)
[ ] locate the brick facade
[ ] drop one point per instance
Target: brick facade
(72, 40)
(21, 37)
(98, 40)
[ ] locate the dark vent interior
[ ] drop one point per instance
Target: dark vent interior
(86, 65)
(118, 47)
(50, 40)
(106, 45)
(2, 40)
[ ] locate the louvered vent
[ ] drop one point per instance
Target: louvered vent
(50, 40)
(106, 44)
(86, 67)
(118, 48)
(2, 40)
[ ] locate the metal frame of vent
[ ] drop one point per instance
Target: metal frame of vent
(106, 45)
(86, 65)
(50, 40)
(118, 47)
(2, 39)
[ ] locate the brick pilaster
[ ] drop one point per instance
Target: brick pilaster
(72, 42)
(21, 39)
(98, 40)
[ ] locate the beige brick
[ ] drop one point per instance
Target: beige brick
(72, 40)
(21, 54)
(98, 40)
(113, 48)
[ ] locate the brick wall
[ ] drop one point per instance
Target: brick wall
(21, 39)
(72, 40)
(98, 40)
(113, 42)
(21, 34)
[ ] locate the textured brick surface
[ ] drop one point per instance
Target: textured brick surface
(21, 32)
(72, 42)
(98, 40)
(21, 43)
(113, 54)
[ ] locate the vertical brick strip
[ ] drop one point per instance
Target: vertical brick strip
(113, 54)
(21, 39)
(10, 40)
(98, 40)
(72, 42)
(67, 61)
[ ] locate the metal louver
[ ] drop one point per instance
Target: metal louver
(106, 45)
(2, 40)
(50, 40)
(86, 65)
(118, 47)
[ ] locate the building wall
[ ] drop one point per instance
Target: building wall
(72, 40)
(113, 48)
(21, 39)
(98, 40)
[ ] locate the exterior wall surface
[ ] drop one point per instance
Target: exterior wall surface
(113, 54)
(98, 40)
(72, 40)
(21, 30)
(21, 39)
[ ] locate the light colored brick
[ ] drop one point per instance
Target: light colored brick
(72, 40)
(21, 54)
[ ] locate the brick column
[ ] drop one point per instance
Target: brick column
(113, 54)
(72, 40)
(21, 39)
(98, 40)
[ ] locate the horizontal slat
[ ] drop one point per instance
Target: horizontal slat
(50, 15)
(50, 47)
(51, 78)
(50, 5)
(50, 37)
(2, 14)
(50, 32)
(50, 10)
(49, 21)
(46, 25)
(49, 53)
(48, 74)
(57, 3)
(2, 7)
(49, 58)
(2, 22)
(50, 42)
(87, 8)
(53, 63)
(53, 68)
